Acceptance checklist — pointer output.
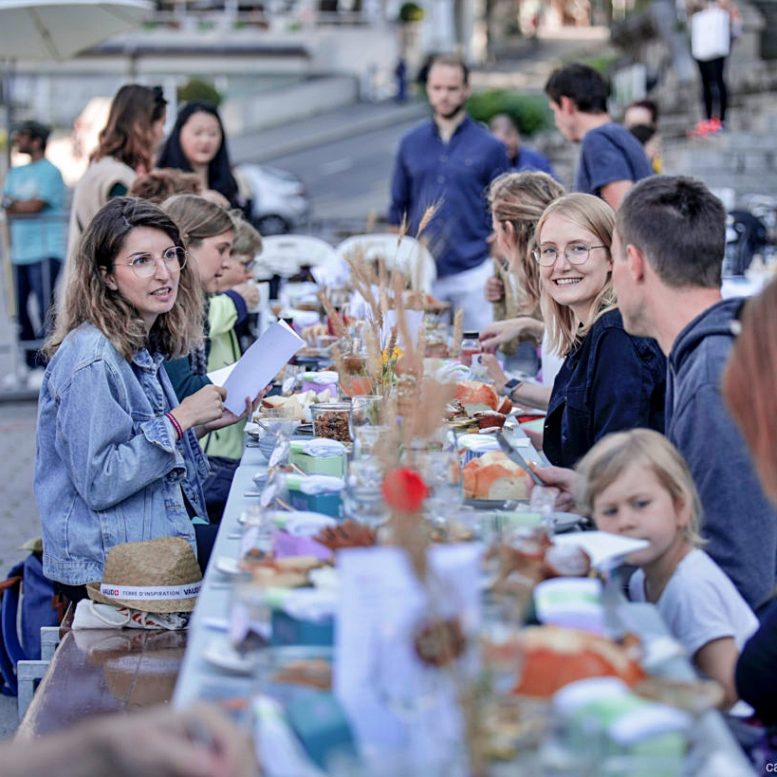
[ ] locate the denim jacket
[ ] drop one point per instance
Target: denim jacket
(108, 467)
(609, 383)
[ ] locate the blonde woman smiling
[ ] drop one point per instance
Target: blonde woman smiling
(609, 381)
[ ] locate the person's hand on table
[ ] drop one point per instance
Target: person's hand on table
(565, 480)
(310, 334)
(156, 742)
(494, 290)
(494, 369)
(197, 743)
(501, 332)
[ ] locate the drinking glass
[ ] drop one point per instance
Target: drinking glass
(366, 410)
(362, 496)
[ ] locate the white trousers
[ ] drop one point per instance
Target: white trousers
(465, 291)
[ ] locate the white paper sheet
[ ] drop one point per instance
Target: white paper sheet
(219, 377)
(395, 703)
(259, 365)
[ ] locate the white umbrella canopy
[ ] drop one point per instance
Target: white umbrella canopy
(58, 29)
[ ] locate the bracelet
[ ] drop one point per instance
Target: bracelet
(177, 426)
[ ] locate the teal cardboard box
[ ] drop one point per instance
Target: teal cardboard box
(287, 630)
(302, 453)
(319, 722)
(317, 493)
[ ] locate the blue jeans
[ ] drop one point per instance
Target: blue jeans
(35, 280)
(217, 484)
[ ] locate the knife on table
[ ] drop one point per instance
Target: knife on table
(514, 455)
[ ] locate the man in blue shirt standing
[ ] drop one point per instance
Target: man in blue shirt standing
(612, 160)
(447, 163)
(522, 158)
(34, 200)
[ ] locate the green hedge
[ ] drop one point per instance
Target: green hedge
(530, 112)
(199, 90)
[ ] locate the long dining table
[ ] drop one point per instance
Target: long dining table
(199, 679)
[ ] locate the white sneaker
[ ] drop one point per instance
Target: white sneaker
(14, 380)
(35, 378)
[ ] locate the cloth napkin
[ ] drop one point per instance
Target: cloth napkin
(321, 484)
(95, 615)
(320, 447)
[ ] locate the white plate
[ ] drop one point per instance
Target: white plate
(565, 521)
(221, 654)
(229, 566)
(602, 546)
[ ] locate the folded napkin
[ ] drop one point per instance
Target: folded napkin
(307, 604)
(320, 447)
(286, 545)
(95, 615)
(321, 484)
(325, 377)
(315, 484)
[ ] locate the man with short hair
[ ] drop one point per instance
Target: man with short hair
(447, 163)
(611, 159)
(668, 284)
(522, 158)
(34, 200)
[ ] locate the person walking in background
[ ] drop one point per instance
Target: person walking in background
(714, 24)
(522, 158)
(131, 136)
(446, 164)
(641, 119)
(197, 144)
(612, 160)
(34, 201)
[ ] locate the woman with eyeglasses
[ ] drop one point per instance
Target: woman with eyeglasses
(117, 454)
(133, 132)
(609, 381)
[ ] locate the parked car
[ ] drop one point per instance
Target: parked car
(279, 201)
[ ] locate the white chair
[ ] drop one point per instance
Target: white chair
(285, 255)
(407, 255)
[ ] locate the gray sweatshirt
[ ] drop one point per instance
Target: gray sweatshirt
(737, 520)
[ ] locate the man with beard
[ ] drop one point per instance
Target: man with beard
(447, 163)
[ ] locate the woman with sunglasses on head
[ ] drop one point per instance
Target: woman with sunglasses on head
(517, 200)
(117, 454)
(609, 381)
(127, 144)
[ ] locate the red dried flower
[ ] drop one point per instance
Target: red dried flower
(404, 490)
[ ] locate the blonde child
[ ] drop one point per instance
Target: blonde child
(637, 484)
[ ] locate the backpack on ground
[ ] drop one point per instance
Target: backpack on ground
(28, 603)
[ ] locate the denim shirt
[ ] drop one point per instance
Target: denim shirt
(609, 383)
(108, 467)
(455, 177)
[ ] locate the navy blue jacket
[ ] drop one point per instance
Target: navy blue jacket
(737, 519)
(454, 176)
(609, 383)
(756, 674)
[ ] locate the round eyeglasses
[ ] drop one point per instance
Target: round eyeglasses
(575, 253)
(144, 265)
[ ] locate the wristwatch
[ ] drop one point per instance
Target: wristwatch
(511, 386)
